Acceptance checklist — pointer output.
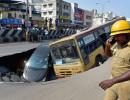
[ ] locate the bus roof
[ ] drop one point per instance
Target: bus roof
(88, 30)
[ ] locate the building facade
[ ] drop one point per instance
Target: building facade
(88, 16)
(12, 11)
(58, 10)
(100, 18)
(80, 17)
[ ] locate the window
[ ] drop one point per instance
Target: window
(23, 16)
(88, 17)
(93, 46)
(50, 12)
(44, 6)
(88, 38)
(64, 7)
(57, 4)
(9, 15)
(50, 5)
(96, 34)
(107, 29)
(15, 15)
(57, 12)
(101, 31)
(65, 53)
(67, 7)
(85, 52)
(44, 13)
(39, 58)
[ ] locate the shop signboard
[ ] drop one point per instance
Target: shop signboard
(11, 21)
(79, 14)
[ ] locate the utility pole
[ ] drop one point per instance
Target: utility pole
(27, 19)
(27, 15)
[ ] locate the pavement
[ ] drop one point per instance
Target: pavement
(84, 86)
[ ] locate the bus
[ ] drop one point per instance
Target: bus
(80, 52)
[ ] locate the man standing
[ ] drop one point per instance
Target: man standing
(118, 87)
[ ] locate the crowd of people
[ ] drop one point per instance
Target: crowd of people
(36, 34)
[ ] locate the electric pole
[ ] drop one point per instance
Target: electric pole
(27, 16)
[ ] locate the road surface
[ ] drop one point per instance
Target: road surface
(18, 47)
(83, 86)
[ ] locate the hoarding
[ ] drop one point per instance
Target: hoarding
(10, 21)
(79, 14)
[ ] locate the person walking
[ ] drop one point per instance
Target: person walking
(46, 34)
(118, 87)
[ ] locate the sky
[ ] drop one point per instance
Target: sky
(118, 7)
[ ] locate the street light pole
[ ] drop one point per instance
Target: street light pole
(27, 19)
(27, 15)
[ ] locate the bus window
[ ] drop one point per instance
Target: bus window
(92, 46)
(96, 34)
(101, 31)
(84, 53)
(64, 53)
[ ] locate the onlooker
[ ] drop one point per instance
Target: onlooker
(46, 33)
(120, 62)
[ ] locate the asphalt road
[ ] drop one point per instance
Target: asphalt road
(12, 48)
(83, 86)
(18, 47)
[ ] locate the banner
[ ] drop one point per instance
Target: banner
(79, 14)
(11, 21)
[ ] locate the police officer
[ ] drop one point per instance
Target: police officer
(118, 87)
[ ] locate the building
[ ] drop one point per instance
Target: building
(100, 18)
(65, 16)
(80, 17)
(58, 10)
(17, 10)
(88, 15)
(77, 15)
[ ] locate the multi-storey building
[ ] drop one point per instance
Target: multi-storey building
(42, 12)
(49, 10)
(57, 10)
(100, 18)
(88, 16)
(17, 10)
(80, 17)
(65, 17)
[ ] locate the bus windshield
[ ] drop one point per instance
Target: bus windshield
(64, 52)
